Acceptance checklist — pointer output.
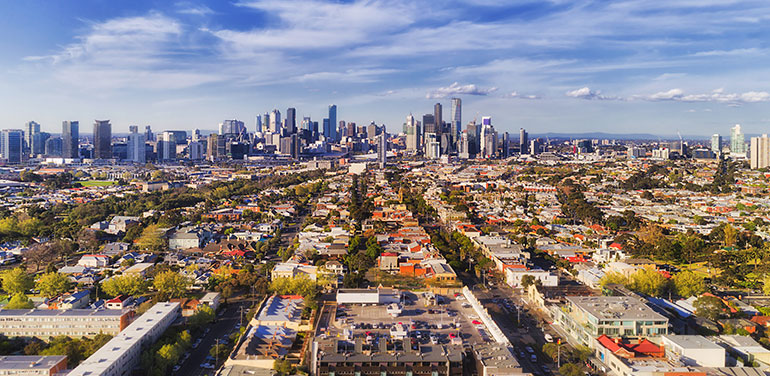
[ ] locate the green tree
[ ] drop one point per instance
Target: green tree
(16, 281)
(709, 307)
(205, 315)
(571, 369)
(53, 284)
(611, 278)
(20, 301)
(527, 280)
(282, 366)
(765, 284)
(687, 284)
(126, 284)
(152, 239)
(171, 284)
(648, 281)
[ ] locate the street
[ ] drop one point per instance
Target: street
(224, 325)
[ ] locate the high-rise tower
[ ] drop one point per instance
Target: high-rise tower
(70, 136)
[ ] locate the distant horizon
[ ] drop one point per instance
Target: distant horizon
(563, 67)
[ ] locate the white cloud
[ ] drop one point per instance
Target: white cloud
(517, 95)
(457, 89)
(718, 96)
(587, 93)
(194, 9)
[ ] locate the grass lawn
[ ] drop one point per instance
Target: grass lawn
(97, 183)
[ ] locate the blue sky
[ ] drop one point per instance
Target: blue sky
(696, 66)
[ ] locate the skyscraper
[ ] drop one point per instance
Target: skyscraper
(275, 121)
(326, 131)
(412, 130)
(291, 121)
(53, 147)
(12, 145)
(102, 139)
(457, 115)
(737, 141)
(38, 143)
(523, 141)
(258, 127)
(760, 152)
(148, 135)
(31, 128)
(382, 149)
(438, 119)
(332, 123)
(474, 136)
(232, 126)
(136, 150)
(716, 143)
(70, 136)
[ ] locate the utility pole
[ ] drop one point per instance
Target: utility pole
(216, 352)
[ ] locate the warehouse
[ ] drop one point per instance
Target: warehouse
(368, 296)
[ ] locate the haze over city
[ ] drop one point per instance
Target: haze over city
(697, 67)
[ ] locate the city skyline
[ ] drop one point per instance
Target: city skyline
(695, 67)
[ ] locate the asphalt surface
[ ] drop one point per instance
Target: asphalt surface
(222, 326)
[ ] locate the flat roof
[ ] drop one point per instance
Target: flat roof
(29, 362)
(118, 346)
(282, 308)
(692, 342)
(615, 308)
(366, 291)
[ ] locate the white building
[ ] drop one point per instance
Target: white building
(694, 350)
(368, 296)
(760, 152)
(121, 354)
(513, 277)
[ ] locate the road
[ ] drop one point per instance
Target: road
(224, 325)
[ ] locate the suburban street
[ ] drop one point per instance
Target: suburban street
(223, 326)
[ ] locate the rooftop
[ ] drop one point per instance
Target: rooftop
(282, 308)
(692, 342)
(29, 362)
(615, 308)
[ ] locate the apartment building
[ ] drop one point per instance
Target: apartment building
(44, 323)
(586, 318)
(121, 354)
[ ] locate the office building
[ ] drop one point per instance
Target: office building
(31, 128)
(326, 131)
(148, 135)
(44, 323)
(588, 317)
(136, 150)
(438, 120)
(534, 147)
(457, 115)
(102, 139)
(232, 126)
(275, 121)
(428, 124)
(523, 141)
(70, 136)
(38, 143)
(737, 141)
(474, 134)
(33, 365)
(504, 146)
(432, 148)
(412, 130)
(291, 122)
(382, 149)
(166, 146)
(332, 136)
(12, 145)
(716, 143)
(195, 150)
(760, 152)
(122, 353)
(53, 147)
(463, 146)
(258, 124)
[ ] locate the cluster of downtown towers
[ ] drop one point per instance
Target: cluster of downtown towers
(433, 137)
(274, 135)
